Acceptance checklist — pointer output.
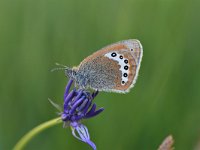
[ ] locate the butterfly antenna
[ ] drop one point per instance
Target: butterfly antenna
(63, 67)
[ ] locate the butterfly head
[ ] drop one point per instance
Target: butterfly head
(71, 72)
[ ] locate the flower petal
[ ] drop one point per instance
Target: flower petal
(68, 88)
(94, 113)
(83, 134)
(69, 98)
(92, 109)
(76, 104)
(79, 94)
(86, 107)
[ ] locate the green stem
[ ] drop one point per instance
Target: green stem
(27, 137)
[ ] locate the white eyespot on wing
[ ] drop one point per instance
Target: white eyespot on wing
(124, 68)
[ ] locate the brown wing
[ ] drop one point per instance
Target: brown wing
(132, 51)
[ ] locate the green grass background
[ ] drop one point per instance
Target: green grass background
(34, 34)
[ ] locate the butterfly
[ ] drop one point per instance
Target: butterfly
(113, 68)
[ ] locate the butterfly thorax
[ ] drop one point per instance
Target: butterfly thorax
(79, 77)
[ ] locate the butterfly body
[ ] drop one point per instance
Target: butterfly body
(113, 68)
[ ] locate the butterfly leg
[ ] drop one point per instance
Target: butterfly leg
(94, 94)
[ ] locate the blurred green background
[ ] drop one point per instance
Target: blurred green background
(34, 34)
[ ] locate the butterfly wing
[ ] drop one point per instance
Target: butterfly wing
(113, 68)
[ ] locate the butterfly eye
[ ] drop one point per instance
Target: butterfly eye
(131, 49)
(123, 82)
(74, 73)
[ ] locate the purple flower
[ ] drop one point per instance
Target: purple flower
(78, 105)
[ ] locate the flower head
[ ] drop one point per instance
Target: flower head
(78, 105)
